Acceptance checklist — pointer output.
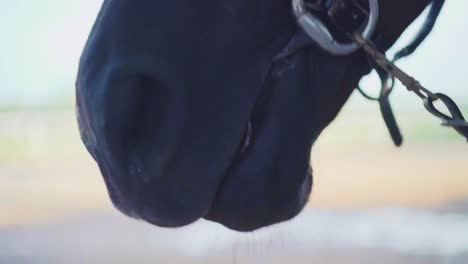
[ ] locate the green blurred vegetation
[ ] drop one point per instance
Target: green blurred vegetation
(62, 105)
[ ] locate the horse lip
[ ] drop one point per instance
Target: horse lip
(240, 226)
(145, 214)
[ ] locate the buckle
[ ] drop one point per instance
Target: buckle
(321, 35)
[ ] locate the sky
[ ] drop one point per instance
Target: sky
(40, 45)
(41, 42)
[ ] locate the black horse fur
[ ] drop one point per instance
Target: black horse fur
(209, 109)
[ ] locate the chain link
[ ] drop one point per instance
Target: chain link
(455, 120)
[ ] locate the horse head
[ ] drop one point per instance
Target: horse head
(209, 109)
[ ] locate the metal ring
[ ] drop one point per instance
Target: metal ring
(322, 36)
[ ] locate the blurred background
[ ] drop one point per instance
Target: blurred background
(372, 202)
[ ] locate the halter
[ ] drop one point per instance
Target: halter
(340, 13)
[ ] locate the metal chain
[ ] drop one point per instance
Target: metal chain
(455, 120)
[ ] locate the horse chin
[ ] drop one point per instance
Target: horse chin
(245, 213)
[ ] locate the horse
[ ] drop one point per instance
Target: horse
(209, 109)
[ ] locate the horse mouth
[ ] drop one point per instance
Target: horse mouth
(254, 192)
(169, 165)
